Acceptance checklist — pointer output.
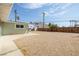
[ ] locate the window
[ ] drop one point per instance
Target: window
(19, 26)
(22, 26)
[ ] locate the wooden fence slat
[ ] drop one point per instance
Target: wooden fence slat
(62, 29)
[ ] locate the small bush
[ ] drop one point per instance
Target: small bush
(52, 25)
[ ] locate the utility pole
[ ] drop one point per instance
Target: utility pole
(43, 19)
(15, 15)
(70, 23)
(75, 25)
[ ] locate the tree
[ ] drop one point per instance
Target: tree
(52, 25)
(49, 25)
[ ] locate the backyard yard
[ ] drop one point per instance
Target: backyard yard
(49, 43)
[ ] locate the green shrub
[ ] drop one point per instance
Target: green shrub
(52, 25)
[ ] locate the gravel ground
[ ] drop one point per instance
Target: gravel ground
(49, 44)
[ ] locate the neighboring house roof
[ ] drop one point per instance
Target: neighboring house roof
(15, 22)
(4, 11)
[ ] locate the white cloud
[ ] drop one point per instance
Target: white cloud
(60, 13)
(32, 5)
(67, 5)
(51, 10)
(56, 14)
(59, 10)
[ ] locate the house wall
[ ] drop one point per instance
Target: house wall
(0, 29)
(10, 28)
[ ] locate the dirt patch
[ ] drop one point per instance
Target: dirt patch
(49, 44)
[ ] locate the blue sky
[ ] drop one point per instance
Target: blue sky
(57, 13)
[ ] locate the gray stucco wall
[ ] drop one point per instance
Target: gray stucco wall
(10, 28)
(0, 29)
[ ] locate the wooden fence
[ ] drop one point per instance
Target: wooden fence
(61, 29)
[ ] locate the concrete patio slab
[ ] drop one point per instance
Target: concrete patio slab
(7, 45)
